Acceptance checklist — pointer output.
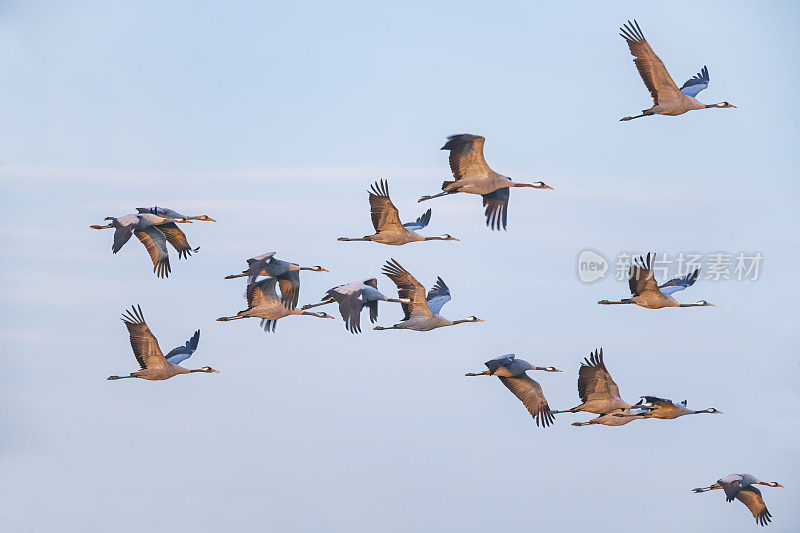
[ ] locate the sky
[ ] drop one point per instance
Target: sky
(274, 118)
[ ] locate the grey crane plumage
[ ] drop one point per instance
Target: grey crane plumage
(421, 312)
(645, 292)
(352, 298)
(263, 303)
(512, 372)
(473, 175)
(386, 221)
(171, 213)
(741, 487)
(667, 98)
(153, 232)
(152, 363)
(286, 273)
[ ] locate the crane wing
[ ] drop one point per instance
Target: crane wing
(182, 353)
(652, 70)
(350, 305)
(751, 497)
(497, 362)
(144, 343)
(678, 284)
(438, 296)
(122, 234)
(420, 223)
(731, 485)
(594, 379)
(385, 216)
(496, 204)
(177, 239)
(530, 394)
(696, 83)
(160, 211)
(656, 401)
(466, 156)
(261, 292)
(156, 244)
(640, 276)
(256, 266)
(289, 284)
(408, 287)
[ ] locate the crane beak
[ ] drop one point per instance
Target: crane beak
(549, 187)
(216, 371)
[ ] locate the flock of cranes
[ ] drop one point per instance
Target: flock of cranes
(273, 285)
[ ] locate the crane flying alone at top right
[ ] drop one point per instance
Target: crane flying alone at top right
(667, 98)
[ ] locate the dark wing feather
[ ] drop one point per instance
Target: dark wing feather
(640, 276)
(420, 223)
(652, 70)
(122, 234)
(696, 83)
(407, 287)
(466, 155)
(438, 296)
(373, 310)
(256, 266)
(144, 343)
(658, 402)
(731, 488)
(385, 216)
(268, 325)
(594, 378)
(156, 244)
(496, 204)
(751, 497)
(530, 394)
(177, 239)
(350, 306)
(181, 353)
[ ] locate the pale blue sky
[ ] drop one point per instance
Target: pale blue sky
(274, 119)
